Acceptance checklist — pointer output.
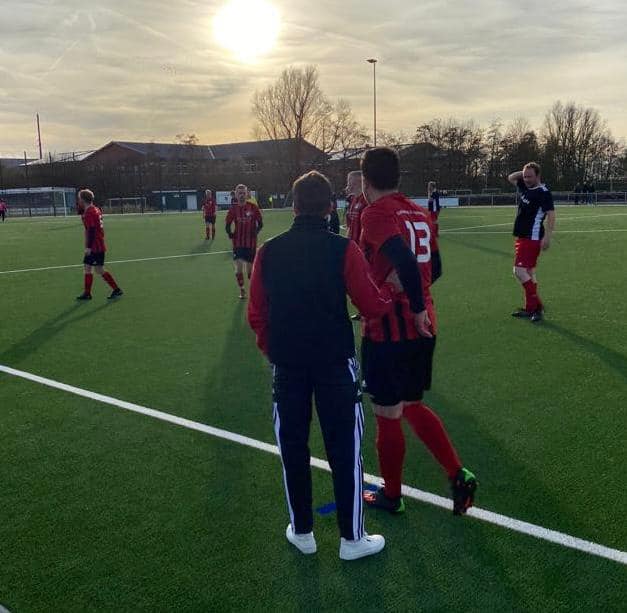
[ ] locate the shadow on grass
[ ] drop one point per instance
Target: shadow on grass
(47, 331)
(612, 358)
(479, 246)
(204, 246)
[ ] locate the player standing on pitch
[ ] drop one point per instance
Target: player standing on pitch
(536, 203)
(399, 241)
(95, 247)
(209, 210)
(248, 223)
(3, 209)
(433, 204)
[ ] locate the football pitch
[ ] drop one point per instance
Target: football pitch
(108, 509)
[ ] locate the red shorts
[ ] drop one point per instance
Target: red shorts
(526, 252)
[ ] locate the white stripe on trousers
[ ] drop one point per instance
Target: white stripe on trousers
(358, 516)
(277, 433)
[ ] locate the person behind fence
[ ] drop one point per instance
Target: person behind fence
(298, 311)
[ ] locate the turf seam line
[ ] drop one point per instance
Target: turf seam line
(497, 519)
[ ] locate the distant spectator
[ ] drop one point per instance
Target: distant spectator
(591, 194)
(3, 209)
(577, 191)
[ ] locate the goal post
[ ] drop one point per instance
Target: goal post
(136, 204)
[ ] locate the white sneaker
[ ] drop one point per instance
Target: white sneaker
(366, 546)
(305, 543)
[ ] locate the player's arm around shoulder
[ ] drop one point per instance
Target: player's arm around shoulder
(360, 286)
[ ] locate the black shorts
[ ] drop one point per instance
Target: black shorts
(210, 219)
(244, 253)
(396, 372)
(94, 259)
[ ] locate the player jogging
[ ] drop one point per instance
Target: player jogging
(95, 247)
(248, 223)
(209, 208)
(536, 204)
(397, 350)
(433, 204)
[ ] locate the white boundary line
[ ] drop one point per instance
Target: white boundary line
(508, 223)
(556, 231)
(504, 521)
(161, 257)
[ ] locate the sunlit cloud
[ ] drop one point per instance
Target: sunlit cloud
(148, 70)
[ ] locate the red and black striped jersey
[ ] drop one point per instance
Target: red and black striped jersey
(94, 229)
(390, 216)
(248, 221)
(209, 207)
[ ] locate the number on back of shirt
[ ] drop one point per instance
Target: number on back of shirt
(420, 240)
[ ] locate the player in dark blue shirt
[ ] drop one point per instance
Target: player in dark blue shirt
(535, 205)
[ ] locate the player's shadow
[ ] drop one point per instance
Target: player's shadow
(204, 246)
(614, 359)
(455, 237)
(239, 370)
(17, 352)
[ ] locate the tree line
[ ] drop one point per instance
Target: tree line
(574, 144)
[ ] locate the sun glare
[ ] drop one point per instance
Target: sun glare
(247, 28)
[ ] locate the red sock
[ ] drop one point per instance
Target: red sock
(430, 430)
(391, 451)
(240, 279)
(532, 301)
(110, 280)
(89, 279)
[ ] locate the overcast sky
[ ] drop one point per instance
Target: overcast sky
(147, 70)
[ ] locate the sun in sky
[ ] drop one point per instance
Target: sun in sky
(247, 28)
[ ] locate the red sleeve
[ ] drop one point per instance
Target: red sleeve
(377, 227)
(258, 304)
(364, 294)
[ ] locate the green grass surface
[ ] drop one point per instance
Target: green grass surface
(106, 510)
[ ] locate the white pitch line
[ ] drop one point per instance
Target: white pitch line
(504, 521)
(509, 223)
(161, 257)
(556, 231)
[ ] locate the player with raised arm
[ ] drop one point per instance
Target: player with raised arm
(399, 241)
(535, 204)
(246, 217)
(95, 247)
(209, 210)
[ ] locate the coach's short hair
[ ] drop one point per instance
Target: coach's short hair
(312, 194)
(534, 166)
(381, 167)
(86, 195)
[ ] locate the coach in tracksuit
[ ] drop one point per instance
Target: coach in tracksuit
(298, 311)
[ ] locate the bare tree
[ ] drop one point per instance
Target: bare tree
(574, 138)
(292, 107)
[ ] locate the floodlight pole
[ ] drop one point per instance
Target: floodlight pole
(373, 61)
